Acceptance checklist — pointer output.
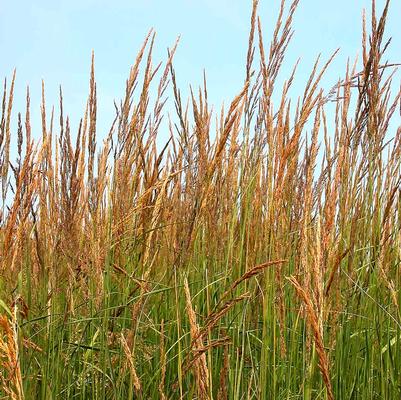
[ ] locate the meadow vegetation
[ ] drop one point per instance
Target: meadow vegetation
(255, 255)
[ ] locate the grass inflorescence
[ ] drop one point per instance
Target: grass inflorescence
(255, 255)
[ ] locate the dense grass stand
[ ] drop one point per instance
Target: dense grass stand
(254, 256)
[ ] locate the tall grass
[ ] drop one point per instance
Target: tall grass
(254, 257)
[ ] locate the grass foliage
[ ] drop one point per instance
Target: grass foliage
(254, 256)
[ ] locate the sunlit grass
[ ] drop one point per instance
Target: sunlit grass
(228, 264)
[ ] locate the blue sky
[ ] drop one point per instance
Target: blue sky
(53, 40)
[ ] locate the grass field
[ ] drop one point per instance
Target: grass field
(255, 255)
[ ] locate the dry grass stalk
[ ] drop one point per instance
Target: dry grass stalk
(6, 136)
(312, 317)
(199, 366)
(212, 344)
(214, 317)
(10, 377)
(199, 352)
(131, 364)
(249, 192)
(257, 269)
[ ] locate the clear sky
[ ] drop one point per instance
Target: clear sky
(53, 40)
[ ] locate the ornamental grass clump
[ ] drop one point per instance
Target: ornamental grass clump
(251, 252)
